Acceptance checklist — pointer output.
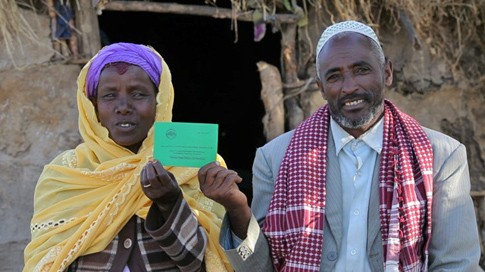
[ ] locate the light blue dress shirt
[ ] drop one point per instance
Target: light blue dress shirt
(357, 159)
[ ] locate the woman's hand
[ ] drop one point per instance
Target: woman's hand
(160, 186)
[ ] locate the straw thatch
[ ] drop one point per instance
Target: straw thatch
(453, 29)
(13, 26)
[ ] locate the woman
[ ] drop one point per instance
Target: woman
(106, 205)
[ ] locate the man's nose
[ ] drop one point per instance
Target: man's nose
(349, 85)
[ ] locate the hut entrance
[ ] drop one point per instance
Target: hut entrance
(215, 76)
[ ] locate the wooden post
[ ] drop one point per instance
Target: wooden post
(86, 22)
(479, 202)
(199, 10)
(295, 114)
(272, 97)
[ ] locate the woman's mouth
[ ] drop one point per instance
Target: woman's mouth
(125, 124)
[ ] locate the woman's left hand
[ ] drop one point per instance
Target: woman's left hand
(159, 185)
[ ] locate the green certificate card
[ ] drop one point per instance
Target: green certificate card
(185, 144)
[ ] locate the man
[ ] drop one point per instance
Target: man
(358, 186)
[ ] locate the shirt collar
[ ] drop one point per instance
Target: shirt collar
(372, 137)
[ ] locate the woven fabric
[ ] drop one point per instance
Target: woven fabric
(295, 221)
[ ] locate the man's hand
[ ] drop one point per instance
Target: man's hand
(160, 186)
(220, 185)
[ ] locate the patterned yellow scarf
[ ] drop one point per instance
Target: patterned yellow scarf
(86, 195)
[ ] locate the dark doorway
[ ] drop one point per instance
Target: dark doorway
(214, 75)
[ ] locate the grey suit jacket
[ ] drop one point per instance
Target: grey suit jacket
(454, 245)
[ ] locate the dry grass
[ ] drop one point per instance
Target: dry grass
(453, 29)
(13, 27)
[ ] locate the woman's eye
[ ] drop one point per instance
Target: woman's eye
(108, 95)
(138, 94)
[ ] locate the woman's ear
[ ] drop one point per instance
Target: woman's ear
(95, 104)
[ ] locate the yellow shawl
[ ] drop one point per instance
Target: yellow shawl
(86, 195)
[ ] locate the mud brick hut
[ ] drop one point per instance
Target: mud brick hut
(247, 65)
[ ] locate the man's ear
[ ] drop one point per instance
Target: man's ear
(320, 86)
(388, 72)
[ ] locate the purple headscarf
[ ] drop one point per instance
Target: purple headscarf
(135, 54)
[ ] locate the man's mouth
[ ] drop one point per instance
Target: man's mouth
(353, 103)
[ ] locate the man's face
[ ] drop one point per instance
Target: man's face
(352, 80)
(126, 105)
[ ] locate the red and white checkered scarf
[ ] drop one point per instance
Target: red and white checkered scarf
(295, 221)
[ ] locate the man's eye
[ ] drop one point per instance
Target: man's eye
(333, 78)
(361, 70)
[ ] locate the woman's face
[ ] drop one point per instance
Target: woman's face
(126, 104)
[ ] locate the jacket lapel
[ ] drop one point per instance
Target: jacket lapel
(373, 219)
(334, 205)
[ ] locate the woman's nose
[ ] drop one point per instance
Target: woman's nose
(123, 106)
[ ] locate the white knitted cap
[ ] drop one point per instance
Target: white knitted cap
(352, 26)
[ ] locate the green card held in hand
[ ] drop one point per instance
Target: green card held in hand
(185, 144)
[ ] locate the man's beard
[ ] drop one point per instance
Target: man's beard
(366, 119)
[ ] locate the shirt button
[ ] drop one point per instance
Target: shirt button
(332, 256)
(353, 252)
(356, 212)
(355, 144)
(127, 243)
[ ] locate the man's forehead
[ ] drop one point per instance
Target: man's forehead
(342, 27)
(346, 44)
(345, 50)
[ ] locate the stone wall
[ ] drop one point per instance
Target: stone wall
(38, 119)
